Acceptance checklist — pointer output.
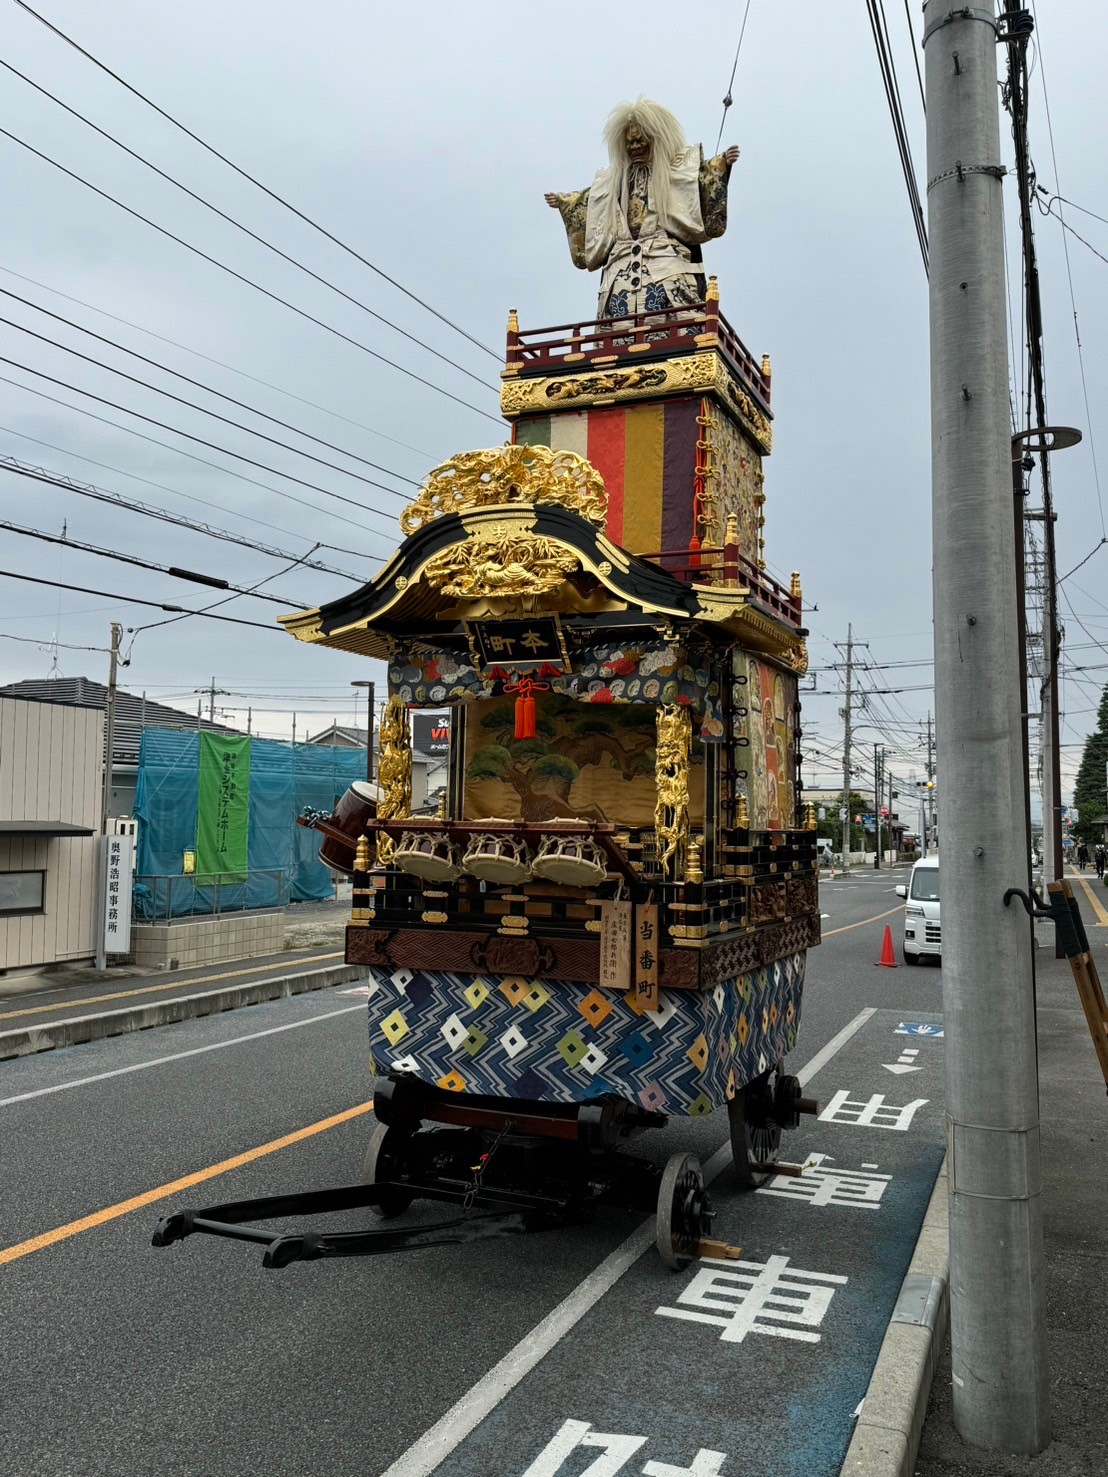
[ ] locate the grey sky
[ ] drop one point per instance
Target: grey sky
(425, 137)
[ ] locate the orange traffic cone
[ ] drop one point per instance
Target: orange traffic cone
(888, 953)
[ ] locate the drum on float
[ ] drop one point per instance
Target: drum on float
(342, 830)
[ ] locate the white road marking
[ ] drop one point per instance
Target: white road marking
(899, 1068)
(176, 1056)
(447, 1434)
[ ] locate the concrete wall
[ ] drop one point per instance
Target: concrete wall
(187, 942)
(51, 759)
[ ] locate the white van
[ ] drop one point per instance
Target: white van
(922, 930)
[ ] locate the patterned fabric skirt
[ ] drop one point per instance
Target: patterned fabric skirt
(548, 1041)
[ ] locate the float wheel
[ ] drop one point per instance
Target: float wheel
(385, 1160)
(684, 1211)
(755, 1133)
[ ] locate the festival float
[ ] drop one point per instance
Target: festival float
(606, 926)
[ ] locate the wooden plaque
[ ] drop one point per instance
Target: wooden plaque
(615, 945)
(647, 951)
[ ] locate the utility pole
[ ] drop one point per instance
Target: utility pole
(930, 793)
(997, 1283)
(844, 813)
(109, 728)
(877, 787)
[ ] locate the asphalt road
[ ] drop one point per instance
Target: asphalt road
(529, 1355)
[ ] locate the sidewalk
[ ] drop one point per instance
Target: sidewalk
(78, 1003)
(1074, 1128)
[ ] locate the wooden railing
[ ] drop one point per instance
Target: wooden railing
(711, 565)
(638, 337)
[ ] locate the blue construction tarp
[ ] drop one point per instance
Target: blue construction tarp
(284, 778)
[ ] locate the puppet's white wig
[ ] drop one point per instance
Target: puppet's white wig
(667, 145)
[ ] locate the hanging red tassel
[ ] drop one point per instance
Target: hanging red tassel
(529, 726)
(526, 714)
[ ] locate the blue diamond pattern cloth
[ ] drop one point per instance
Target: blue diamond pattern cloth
(548, 1041)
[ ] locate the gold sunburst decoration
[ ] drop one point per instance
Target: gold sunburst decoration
(508, 474)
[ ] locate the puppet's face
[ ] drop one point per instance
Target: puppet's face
(638, 144)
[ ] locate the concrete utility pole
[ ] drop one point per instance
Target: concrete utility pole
(109, 729)
(930, 793)
(845, 811)
(998, 1326)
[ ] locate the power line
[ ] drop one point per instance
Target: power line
(915, 55)
(178, 451)
(34, 579)
(133, 559)
(212, 445)
(248, 281)
(230, 219)
(256, 182)
(202, 410)
(219, 363)
(149, 510)
(48, 641)
(879, 27)
(200, 385)
(137, 631)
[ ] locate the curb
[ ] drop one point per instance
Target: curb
(79, 1029)
(887, 1436)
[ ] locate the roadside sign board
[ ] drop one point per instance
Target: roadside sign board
(114, 924)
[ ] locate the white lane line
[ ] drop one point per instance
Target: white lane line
(447, 1434)
(175, 1057)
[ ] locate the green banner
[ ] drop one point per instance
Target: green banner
(222, 817)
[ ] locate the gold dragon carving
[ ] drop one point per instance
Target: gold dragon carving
(500, 566)
(394, 773)
(508, 475)
(671, 813)
(610, 383)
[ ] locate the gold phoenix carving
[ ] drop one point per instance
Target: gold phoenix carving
(508, 475)
(500, 566)
(394, 773)
(671, 812)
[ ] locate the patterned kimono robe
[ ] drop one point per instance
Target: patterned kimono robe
(647, 264)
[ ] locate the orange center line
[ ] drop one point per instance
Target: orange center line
(162, 1192)
(206, 979)
(863, 921)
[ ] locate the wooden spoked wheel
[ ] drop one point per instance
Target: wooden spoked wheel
(384, 1160)
(684, 1211)
(755, 1133)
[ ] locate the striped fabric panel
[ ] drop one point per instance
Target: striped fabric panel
(607, 452)
(644, 463)
(534, 432)
(680, 474)
(570, 432)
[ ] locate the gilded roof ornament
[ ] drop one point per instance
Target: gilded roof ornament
(508, 474)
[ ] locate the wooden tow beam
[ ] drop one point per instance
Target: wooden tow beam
(506, 1169)
(1063, 911)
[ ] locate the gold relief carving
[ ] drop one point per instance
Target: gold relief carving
(500, 566)
(796, 658)
(809, 818)
(401, 581)
(305, 625)
(749, 413)
(394, 773)
(508, 475)
(671, 813)
(611, 382)
(743, 818)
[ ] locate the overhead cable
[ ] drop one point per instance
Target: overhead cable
(249, 281)
(192, 405)
(163, 515)
(238, 225)
(879, 27)
(179, 451)
(200, 385)
(211, 149)
(35, 579)
(219, 363)
(189, 436)
(176, 573)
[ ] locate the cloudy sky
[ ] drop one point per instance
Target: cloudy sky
(424, 137)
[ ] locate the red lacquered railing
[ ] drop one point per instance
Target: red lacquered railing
(727, 567)
(639, 337)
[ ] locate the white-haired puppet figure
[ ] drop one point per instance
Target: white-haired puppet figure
(644, 218)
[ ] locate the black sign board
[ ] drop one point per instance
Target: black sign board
(431, 733)
(518, 645)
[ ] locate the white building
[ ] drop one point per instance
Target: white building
(51, 784)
